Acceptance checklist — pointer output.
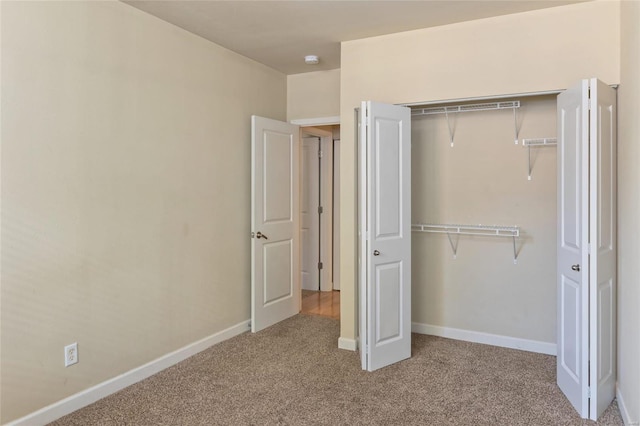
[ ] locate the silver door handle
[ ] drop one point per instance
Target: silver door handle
(376, 253)
(261, 235)
(575, 267)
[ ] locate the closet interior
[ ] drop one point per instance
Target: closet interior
(484, 217)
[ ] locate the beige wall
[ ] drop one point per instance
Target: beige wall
(533, 51)
(628, 208)
(125, 192)
(313, 95)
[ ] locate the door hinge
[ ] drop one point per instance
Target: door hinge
(320, 209)
(319, 153)
(319, 265)
(589, 392)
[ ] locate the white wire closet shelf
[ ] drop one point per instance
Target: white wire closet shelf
(539, 142)
(457, 230)
(487, 106)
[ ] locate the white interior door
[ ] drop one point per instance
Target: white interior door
(275, 268)
(309, 215)
(385, 234)
(586, 246)
(602, 229)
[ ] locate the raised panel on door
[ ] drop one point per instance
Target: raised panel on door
(388, 291)
(387, 169)
(278, 282)
(274, 222)
(277, 180)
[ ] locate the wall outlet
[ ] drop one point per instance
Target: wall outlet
(70, 354)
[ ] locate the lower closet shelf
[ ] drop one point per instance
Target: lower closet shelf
(457, 230)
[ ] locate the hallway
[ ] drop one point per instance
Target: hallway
(321, 303)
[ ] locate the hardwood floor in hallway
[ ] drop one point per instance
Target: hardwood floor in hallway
(321, 303)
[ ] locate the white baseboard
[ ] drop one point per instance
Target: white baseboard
(108, 387)
(485, 338)
(347, 344)
(624, 413)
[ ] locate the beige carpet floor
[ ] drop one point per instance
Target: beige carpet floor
(293, 374)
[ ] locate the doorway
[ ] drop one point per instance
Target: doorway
(318, 183)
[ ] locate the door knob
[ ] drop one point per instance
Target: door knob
(376, 253)
(261, 235)
(575, 267)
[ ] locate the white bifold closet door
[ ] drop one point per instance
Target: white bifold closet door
(586, 361)
(385, 234)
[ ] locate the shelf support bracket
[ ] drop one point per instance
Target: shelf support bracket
(446, 113)
(529, 160)
(454, 247)
(515, 252)
(515, 125)
(528, 143)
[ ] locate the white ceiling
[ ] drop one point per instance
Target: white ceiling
(280, 33)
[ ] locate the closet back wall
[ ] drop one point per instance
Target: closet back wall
(483, 180)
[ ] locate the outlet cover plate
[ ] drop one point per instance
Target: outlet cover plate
(71, 354)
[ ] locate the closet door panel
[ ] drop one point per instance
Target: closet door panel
(385, 235)
(573, 234)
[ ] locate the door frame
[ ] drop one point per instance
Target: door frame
(309, 215)
(358, 251)
(326, 200)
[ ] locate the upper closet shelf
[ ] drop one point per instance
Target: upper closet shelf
(466, 108)
(539, 142)
(489, 106)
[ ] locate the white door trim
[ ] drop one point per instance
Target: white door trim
(309, 215)
(326, 219)
(319, 121)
